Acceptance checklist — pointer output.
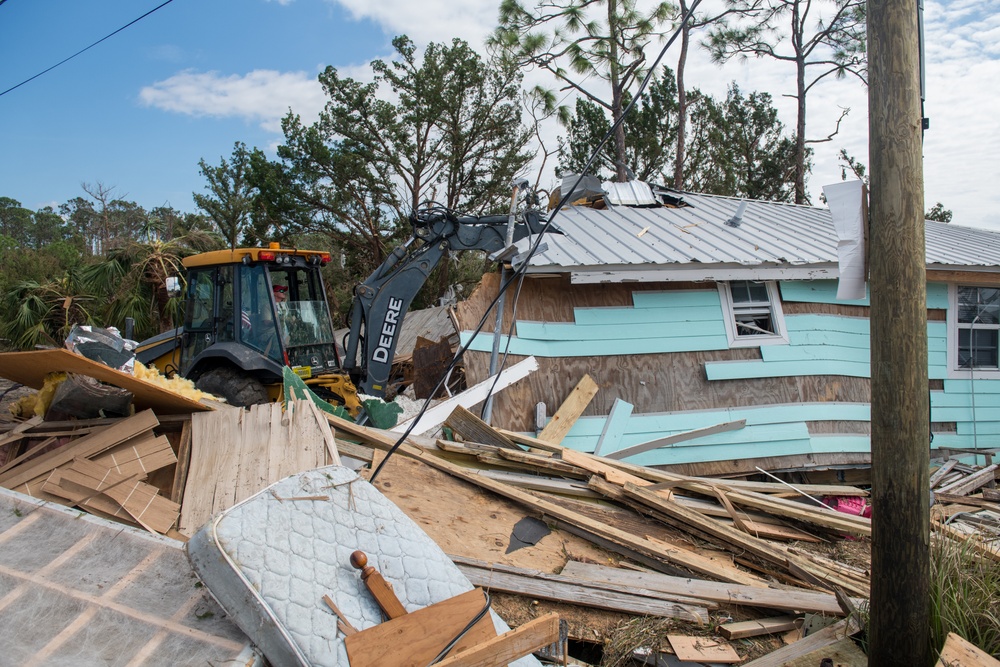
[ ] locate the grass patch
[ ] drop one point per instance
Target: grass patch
(965, 596)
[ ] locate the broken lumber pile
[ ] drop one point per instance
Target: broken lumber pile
(101, 465)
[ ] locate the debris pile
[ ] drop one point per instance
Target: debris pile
(543, 527)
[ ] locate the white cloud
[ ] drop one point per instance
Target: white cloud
(429, 20)
(261, 96)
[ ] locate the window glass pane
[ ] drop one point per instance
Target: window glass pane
(740, 291)
(752, 310)
(758, 292)
(980, 305)
(978, 348)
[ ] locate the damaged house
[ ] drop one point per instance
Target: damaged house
(714, 333)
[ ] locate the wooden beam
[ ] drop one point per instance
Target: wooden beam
(578, 590)
(677, 437)
(761, 626)
(959, 651)
(570, 410)
(509, 646)
(785, 599)
(471, 427)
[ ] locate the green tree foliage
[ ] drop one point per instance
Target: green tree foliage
(650, 132)
(939, 213)
(737, 147)
(789, 31)
(42, 313)
(452, 133)
(230, 194)
(747, 152)
(582, 43)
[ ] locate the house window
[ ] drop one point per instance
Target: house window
(978, 327)
(754, 313)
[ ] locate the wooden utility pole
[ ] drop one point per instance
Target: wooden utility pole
(899, 631)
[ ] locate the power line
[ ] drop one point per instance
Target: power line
(65, 60)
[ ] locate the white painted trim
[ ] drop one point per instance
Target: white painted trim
(780, 338)
(697, 273)
(437, 415)
(954, 372)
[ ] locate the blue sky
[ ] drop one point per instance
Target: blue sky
(139, 110)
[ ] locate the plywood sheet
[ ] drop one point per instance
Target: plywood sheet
(30, 369)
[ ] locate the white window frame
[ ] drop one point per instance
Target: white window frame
(954, 370)
(780, 336)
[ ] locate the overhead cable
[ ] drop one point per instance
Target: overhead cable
(519, 271)
(65, 60)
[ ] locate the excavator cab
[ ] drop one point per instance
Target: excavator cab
(249, 313)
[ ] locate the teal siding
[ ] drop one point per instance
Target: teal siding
(818, 344)
(659, 322)
(825, 291)
(825, 345)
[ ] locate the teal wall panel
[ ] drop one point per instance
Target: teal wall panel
(586, 317)
(625, 329)
(825, 291)
(816, 291)
(645, 427)
(575, 348)
(744, 370)
(675, 298)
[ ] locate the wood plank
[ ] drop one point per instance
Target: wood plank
(826, 637)
(674, 555)
(570, 410)
(472, 428)
(415, 639)
(942, 472)
(477, 393)
(138, 457)
(575, 585)
(738, 542)
(595, 465)
(702, 649)
(85, 447)
(843, 653)
(760, 626)
(677, 437)
(959, 652)
(497, 580)
(509, 646)
(972, 482)
(211, 433)
(781, 599)
(140, 500)
(183, 463)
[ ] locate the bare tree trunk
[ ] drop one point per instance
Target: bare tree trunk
(800, 120)
(616, 94)
(899, 629)
(681, 103)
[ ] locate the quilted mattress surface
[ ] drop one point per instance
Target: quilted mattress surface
(270, 560)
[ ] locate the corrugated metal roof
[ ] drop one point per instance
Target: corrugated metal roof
(771, 234)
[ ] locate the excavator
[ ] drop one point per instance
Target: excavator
(251, 312)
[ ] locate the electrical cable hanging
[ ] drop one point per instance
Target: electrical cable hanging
(65, 60)
(519, 272)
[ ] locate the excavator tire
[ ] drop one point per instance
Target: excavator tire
(236, 387)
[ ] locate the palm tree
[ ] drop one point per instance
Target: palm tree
(134, 278)
(44, 313)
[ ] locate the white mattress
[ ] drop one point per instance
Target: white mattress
(270, 560)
